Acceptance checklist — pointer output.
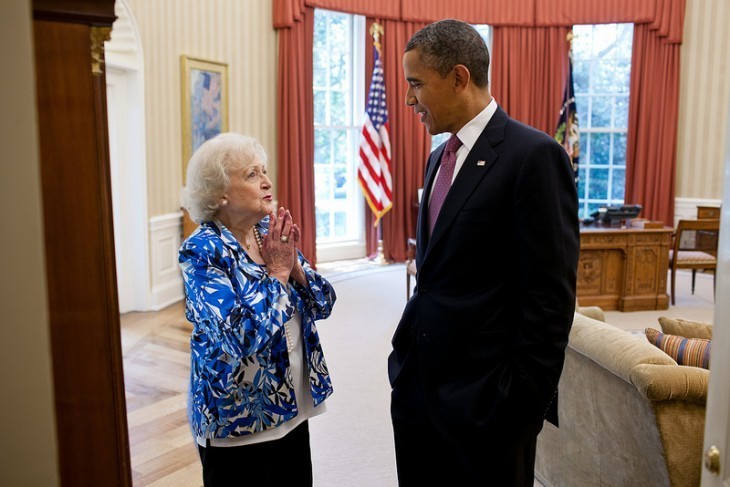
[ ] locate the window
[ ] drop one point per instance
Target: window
(486, 33)
(601, 70)
(338, 109)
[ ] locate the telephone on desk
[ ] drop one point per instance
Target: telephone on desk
(614, 215)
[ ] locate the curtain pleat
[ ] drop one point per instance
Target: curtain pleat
(529, 70)
(295, 137)
(651, 153)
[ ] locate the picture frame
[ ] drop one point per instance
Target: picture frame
(204, 102)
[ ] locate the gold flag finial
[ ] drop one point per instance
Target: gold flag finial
(376, 30)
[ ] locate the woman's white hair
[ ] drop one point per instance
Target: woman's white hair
(209, 170)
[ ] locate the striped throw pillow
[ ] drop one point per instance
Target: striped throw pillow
(694, 352)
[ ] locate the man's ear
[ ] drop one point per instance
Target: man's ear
(462, 77)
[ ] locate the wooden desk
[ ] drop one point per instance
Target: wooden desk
(623, 268)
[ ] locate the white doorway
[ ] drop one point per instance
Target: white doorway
(716, 471)
(125, 105)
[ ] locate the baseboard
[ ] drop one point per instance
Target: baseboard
(165, 239)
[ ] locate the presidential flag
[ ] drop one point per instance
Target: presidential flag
(567, 133)
(374, 171)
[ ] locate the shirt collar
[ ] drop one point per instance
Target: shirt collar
(470, 132)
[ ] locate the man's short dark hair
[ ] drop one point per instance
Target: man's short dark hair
(446, 43)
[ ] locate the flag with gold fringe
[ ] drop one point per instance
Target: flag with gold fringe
(374, 171)
(567, 133)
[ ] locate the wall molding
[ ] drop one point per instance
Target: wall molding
(686, 208)
(165, 240)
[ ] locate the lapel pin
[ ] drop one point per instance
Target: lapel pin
(481, 163)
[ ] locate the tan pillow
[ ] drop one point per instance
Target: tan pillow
(694, 352)
(686, 328)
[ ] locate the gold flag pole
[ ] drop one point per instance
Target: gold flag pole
(376, 30)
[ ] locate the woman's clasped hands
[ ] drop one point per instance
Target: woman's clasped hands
(280, 248)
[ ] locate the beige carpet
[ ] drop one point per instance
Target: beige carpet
(352, 443)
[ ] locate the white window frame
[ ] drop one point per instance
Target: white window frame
(351, 248)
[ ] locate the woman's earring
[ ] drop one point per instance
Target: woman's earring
(224, 202)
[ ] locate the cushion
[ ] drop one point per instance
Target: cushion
(685, 328)
(693, 257)
(694, 352)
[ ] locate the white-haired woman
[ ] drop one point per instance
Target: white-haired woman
(257, 368)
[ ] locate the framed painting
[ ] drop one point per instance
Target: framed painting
(204, 88)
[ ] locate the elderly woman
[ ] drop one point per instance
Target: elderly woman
(257, 369)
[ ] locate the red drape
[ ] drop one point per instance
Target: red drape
(519, 72)
(529, 69)
(651, 154)
(295, 136)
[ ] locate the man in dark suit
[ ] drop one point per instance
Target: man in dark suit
(479, 350)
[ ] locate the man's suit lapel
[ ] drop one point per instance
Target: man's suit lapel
(480, 160)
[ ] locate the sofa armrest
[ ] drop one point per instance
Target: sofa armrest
(594, 312)
(614, 349)
(680, 383)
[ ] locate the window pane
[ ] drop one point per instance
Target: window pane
(599, 184)
(622, 76)
(604, 39)
(340, 223)
(581, 186)
(581, 71)
(604, 76)
(621, 112)
(619, 184)
(323, 222)
(619, 150)
(341, 181)
(600, 146)
(320, 107)
(581, 103)
(322, 184)
(601, 111)
(321, 146)
(339, 113)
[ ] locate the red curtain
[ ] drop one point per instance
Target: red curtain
(295, 137)
(651, 154)
(529, 70)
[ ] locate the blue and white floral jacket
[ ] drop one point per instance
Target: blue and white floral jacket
(240, 379)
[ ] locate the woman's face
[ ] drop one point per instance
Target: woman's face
(249, 192)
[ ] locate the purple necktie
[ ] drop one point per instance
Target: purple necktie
(443, 182)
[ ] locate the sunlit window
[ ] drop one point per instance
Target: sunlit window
(601, 71)
(338, 110)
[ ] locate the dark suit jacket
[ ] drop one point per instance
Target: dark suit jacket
(484, 335)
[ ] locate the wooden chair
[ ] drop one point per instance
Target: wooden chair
(410, 265)
(694, 247)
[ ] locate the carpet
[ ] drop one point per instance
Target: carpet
(352, 443)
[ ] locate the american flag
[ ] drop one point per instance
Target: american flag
(374, 173)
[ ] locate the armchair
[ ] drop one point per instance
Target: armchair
(694, 247)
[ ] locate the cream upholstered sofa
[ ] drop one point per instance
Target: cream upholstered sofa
(629, 415)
